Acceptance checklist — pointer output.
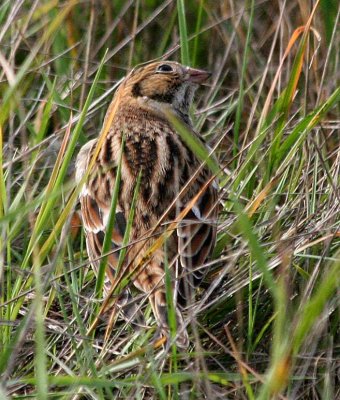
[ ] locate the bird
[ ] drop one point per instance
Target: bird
(142, 141)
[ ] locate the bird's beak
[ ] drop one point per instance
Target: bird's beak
(196, 75)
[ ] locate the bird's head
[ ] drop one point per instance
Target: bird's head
(163, 84)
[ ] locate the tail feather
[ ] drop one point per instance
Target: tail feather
(160, 309)
(151, 281)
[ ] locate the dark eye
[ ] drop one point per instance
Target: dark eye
(165, 68)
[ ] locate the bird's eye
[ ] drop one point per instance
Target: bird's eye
(165, 68)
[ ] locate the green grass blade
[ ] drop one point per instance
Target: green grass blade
(239, 109)
(108, 233)
(194, 143)
(183, 33)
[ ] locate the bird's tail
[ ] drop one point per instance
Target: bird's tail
(160, 307)
(151, 281)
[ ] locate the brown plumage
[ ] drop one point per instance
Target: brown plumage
(153, 150)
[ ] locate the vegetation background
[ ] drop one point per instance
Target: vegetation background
(267, 325)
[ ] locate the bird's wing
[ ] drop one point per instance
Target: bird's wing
(95, 209)
(196, 239)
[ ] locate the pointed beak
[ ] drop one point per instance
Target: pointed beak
(196, 75)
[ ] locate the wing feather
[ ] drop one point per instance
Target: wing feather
(196, 238)
(96, 214)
